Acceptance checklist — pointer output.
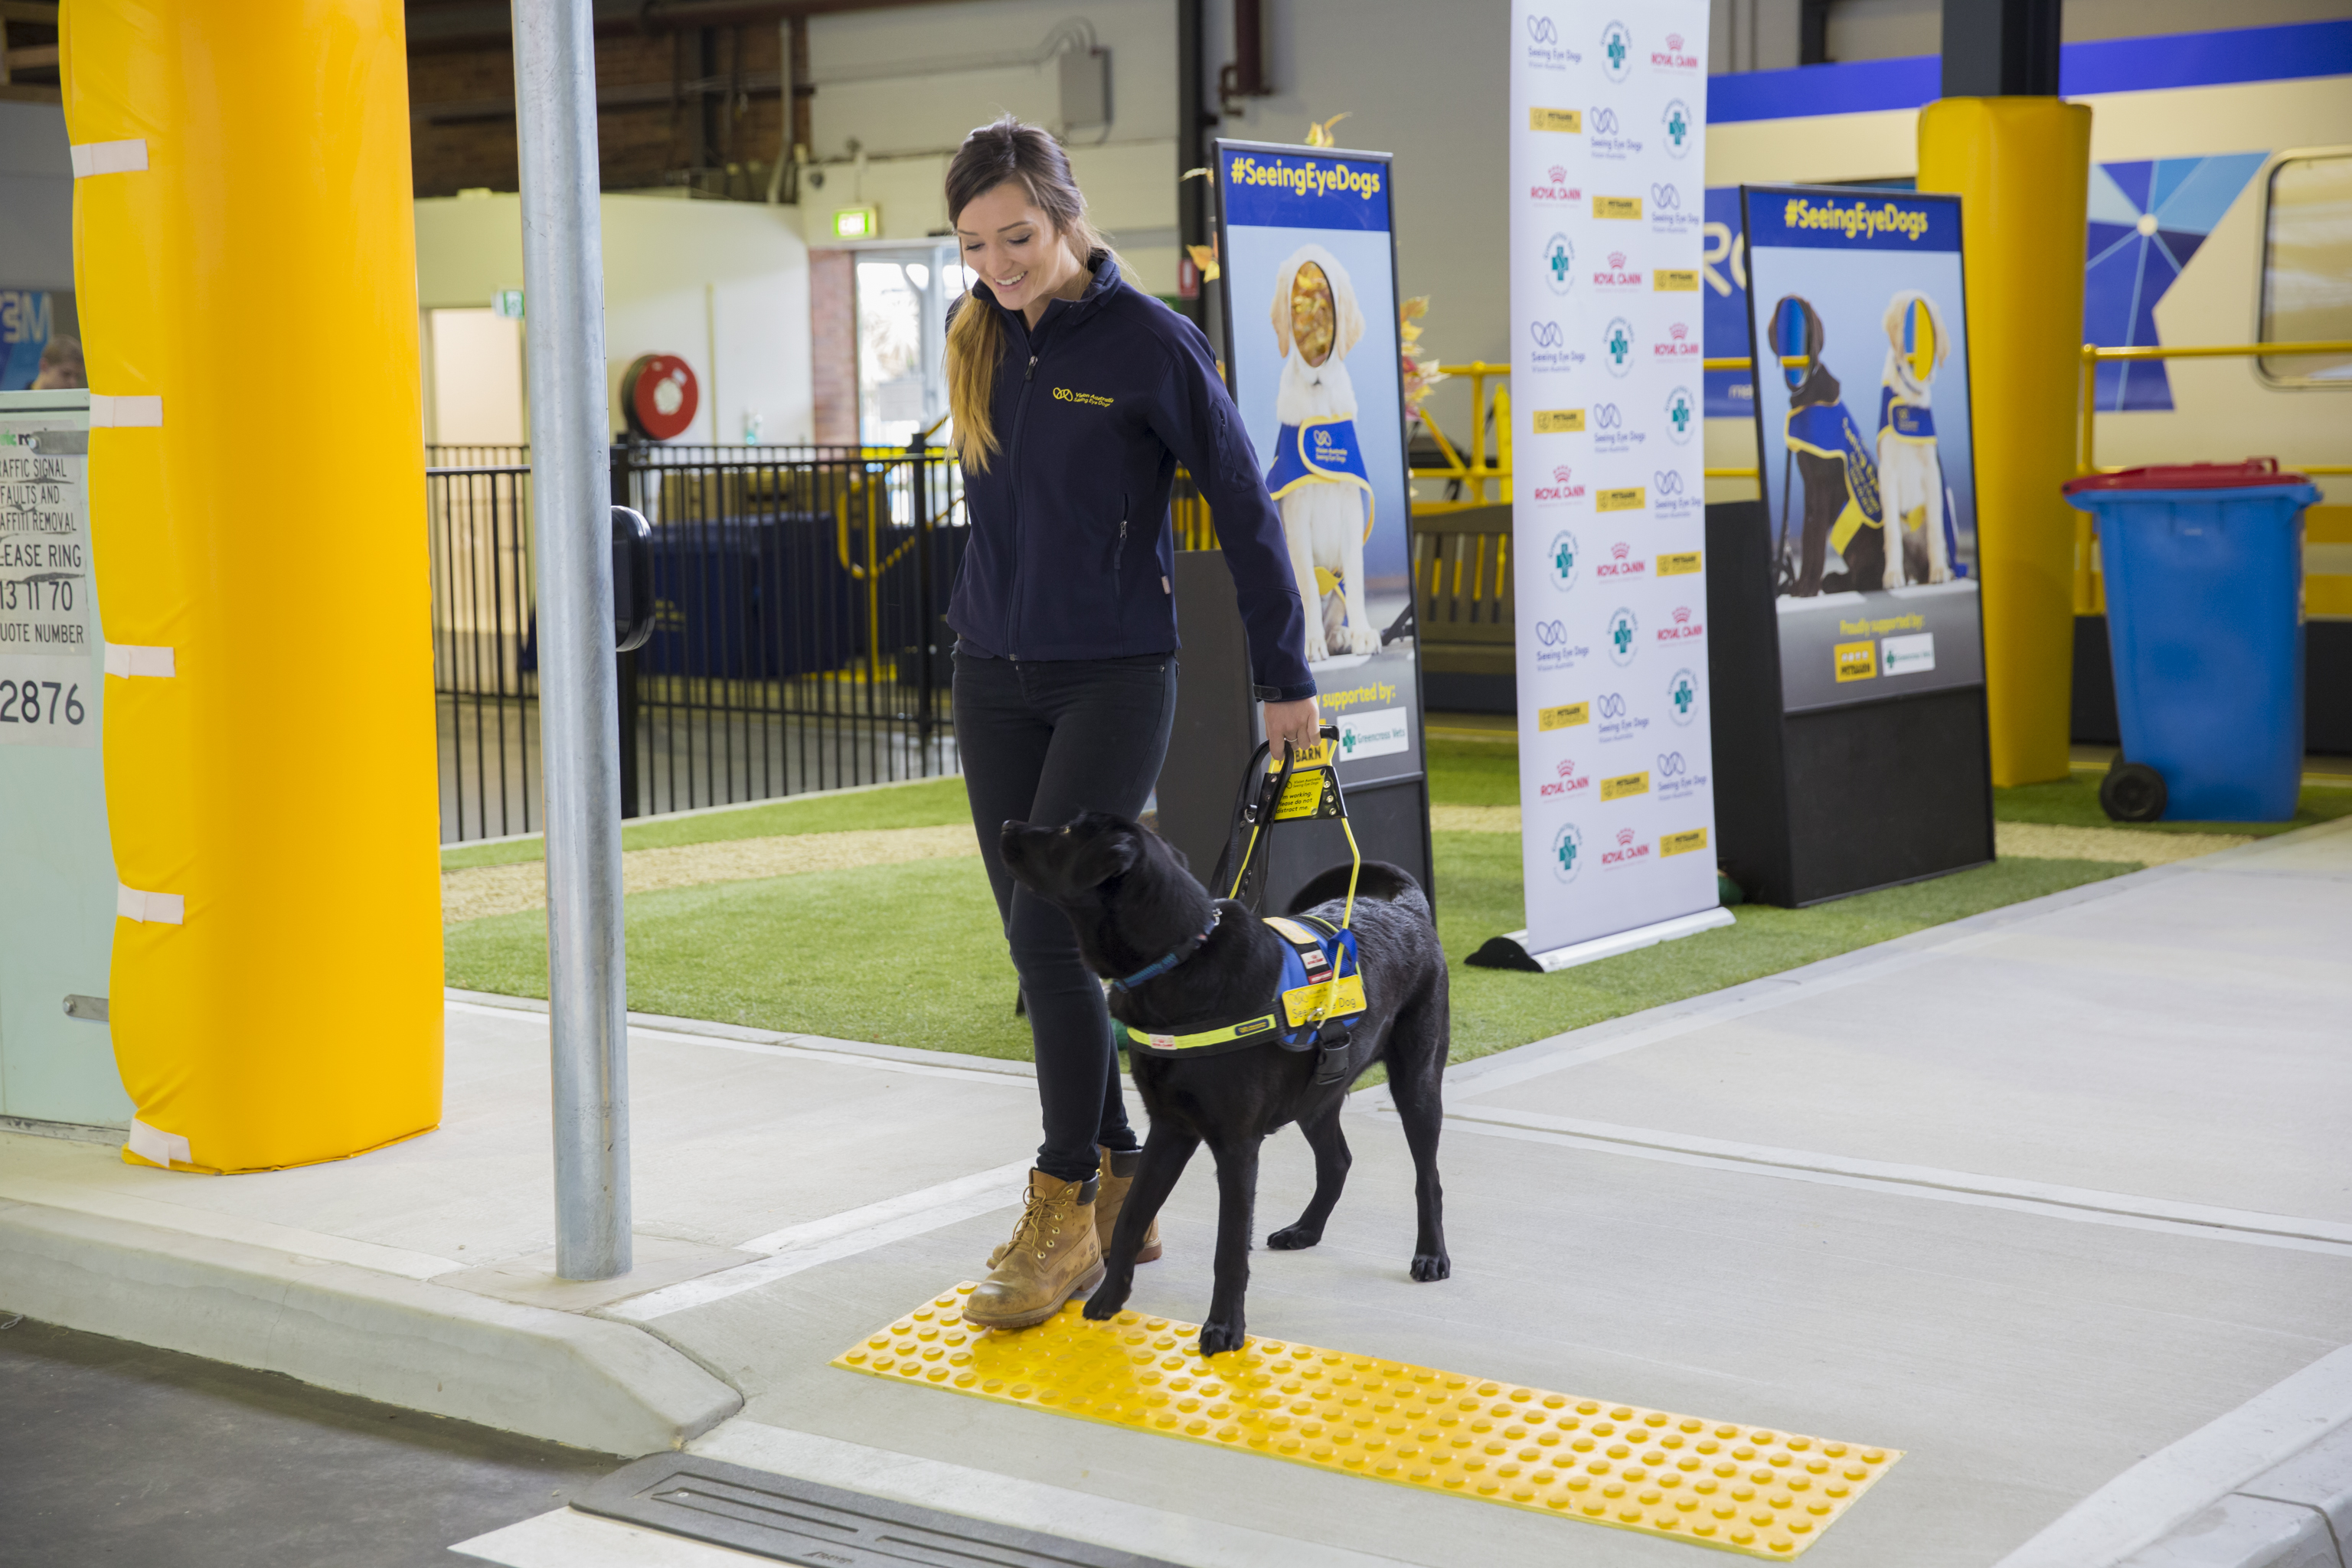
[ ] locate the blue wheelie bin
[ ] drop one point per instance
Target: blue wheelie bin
(2204, 576)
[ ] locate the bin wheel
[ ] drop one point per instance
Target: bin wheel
(2132, 792)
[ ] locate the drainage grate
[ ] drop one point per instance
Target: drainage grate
(824, 1527)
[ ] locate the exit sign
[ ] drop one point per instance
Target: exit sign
(857, 223)
(508, 304)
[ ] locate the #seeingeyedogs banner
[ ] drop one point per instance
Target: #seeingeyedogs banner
(1870, 485)
(1309, 273)
(1608, 155)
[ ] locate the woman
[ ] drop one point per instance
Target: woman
(1075, 396)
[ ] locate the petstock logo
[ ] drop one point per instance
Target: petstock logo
(1679, 125)
(1673, 57)
(1550, 351)
(1682, 415)
(1622, 563)
(1617, 275)
(1563, 490)
(1682, 627)
(1680, 343)
(1617, 51)
(1628, 850)
(1617, 346)
(1559, 263)
(1623, 629)
(1567, 852)
(1565, 782)
(1545, 51)
(1561, 560)
(1682, 697)
(1558, 189)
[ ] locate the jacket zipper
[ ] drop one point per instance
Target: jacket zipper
(1013, 461)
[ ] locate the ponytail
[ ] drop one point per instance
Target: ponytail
(1004, 150)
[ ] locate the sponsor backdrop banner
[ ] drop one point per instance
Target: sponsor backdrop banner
(1308, 263)
(1862, 416)
(1607, 261)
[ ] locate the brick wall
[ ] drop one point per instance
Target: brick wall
(833, 344)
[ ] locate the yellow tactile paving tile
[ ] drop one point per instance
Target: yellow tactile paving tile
(1767, 1494)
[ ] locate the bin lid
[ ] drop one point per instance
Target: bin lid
(2253, 471)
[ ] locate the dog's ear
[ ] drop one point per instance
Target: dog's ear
(1350, 322)
(1892, 322)
(1282, 305)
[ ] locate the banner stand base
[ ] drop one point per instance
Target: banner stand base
(1510, 950)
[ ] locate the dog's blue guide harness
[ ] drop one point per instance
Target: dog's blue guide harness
(1320, 991)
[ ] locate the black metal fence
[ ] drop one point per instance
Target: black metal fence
(799, 641)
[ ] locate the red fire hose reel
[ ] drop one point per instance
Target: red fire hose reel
(658, 396)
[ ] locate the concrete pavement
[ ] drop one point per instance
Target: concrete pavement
(2033, 1197)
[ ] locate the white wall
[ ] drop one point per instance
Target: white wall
(36, 197)
(722, 285)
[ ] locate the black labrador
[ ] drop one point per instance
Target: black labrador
(1133, 900)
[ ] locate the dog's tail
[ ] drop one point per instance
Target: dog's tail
(1379, 880)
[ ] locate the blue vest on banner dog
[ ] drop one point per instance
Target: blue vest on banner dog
(1320, 452)
(1827, 430)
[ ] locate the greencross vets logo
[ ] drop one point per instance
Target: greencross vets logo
(1682, 696)
(1682, 415)
(1562, 559)
(1617, 346)
(1678, 127)
(1559, 263)
(1623, 628)
(1616, 50)
(1567, 852)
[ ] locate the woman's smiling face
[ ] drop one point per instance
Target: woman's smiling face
(1013, 247)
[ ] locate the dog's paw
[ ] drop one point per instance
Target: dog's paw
(1363, 639)
(1107, 1301)
(1429, 1266)
(1293, 1239)
(1316, 650)
(1217, 1337)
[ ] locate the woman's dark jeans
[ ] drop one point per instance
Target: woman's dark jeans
(1041, 741)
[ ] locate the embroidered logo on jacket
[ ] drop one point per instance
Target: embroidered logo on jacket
(1093, 400)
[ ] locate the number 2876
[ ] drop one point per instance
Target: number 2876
(24, 702)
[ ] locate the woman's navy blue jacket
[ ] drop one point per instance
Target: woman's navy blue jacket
(1071, 552)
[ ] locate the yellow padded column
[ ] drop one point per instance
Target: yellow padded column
(244, 263)
(2023, 168)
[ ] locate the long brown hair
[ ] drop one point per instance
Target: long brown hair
(992, 156)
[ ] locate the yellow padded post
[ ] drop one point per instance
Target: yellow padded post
(244, 263)
(2021, 167)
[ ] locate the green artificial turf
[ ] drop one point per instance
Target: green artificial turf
(921, 803)
(2074, 802)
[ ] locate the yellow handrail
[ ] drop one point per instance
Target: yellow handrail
(1478, 472)
(2094, 356)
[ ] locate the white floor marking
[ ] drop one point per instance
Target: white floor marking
(108, 1203)
(2177, 1483)
(2048, 1199)
(563, 1538)
(1027, 1505)
(844, 1234)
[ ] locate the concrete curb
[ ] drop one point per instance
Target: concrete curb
(582, 1381)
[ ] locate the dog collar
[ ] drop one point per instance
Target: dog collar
(1168, 961)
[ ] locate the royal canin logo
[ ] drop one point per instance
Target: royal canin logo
(1559, 190)
(1560, 489)
(1567, 781)
(1623, 563)
(1673, 57)
(1677, 343)
(1626, 851)
(1682, 627)
(1615, 275)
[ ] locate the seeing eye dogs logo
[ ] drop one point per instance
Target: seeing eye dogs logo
(1545, 333)
(1616, 50)
(1612, 705)
(1559, 263)
(1665, 198)
(1561, 559)
(1622, 625)
(1617, 346)
(1678, 127)
(1682, 696)
(1682, 415)
(1567, 852)
(1551, 633)
(1606, 417)
(1668, 482)
(1671, 766)
(1604, 123)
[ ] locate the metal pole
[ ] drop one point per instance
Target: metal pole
(562, 261)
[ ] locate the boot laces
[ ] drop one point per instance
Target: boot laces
(1039, 1224)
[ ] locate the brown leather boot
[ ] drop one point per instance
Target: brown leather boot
(1053, 1255)
(1118, 1168)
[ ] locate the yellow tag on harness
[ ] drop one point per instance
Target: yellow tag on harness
(1324, 999)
